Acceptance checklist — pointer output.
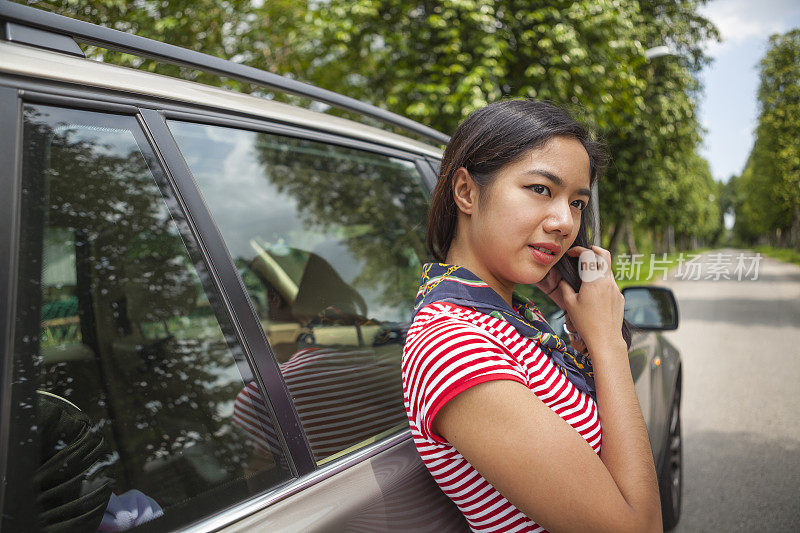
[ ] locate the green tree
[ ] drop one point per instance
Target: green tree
(266, 35)
(436, 62)
(770, 182)
(656, 150)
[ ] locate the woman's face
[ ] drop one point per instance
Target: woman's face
(533, 202)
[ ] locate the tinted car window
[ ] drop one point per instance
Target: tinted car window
(126, 367)
(329, 242)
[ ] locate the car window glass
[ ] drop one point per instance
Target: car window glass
(328, 241)
(127, 369)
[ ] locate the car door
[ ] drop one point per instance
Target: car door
(128, 351)
(655, 391)
(131, 309)
(327, 235)
(641, 357)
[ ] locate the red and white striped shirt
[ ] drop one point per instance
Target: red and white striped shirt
(449, 349)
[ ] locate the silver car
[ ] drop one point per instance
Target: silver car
(204, 297)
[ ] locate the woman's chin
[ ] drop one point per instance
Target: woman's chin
(534, 275)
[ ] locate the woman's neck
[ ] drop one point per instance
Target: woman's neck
(456, 256)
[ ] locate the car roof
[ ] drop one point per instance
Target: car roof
(28, 61)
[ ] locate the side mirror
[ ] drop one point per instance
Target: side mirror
(651, 308)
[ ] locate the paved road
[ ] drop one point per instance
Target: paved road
(740, 343)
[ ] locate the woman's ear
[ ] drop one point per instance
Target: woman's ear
(465, 191)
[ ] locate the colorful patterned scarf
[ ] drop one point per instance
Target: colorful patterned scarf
(442, 282)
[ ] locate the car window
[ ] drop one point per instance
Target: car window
(328, 241)
(127, 368)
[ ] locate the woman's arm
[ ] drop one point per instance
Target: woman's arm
(545, 468)
(539, 462)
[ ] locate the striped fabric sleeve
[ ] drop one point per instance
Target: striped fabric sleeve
(447, 357)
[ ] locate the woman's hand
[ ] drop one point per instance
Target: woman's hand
(596, 310)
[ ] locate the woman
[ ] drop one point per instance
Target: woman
(506, 416)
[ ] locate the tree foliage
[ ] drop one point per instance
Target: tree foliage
(436, 62)
(656, 151)
(769, 187)
(264, 35)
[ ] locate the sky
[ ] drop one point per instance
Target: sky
(729, 109)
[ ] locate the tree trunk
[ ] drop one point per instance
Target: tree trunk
(613, 242)
(786, 238)
(658, 241)
(795, 231)
(629, 238)
(671, 238)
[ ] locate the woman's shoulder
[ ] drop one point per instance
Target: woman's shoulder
(437, 312)
(439, 322)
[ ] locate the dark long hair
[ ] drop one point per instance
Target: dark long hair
(497, 135)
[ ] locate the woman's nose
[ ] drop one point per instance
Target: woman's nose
(559, 219)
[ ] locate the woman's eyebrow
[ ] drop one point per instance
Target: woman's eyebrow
(555, 179)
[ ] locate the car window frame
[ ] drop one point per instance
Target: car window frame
(10, 155)
(272, 127)
(226, 276)
(427, 182)
(13, 100)
(152, 114)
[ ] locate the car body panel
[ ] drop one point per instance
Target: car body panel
(665, 389)
(640, 357)
(391, 491)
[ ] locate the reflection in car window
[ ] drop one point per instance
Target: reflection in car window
(122, 349)
(329, 242)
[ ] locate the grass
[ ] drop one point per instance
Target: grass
(784, 254)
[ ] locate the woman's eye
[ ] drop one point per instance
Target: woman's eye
(581, 204)
(540, 189)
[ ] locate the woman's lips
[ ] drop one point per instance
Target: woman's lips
(542, 257)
